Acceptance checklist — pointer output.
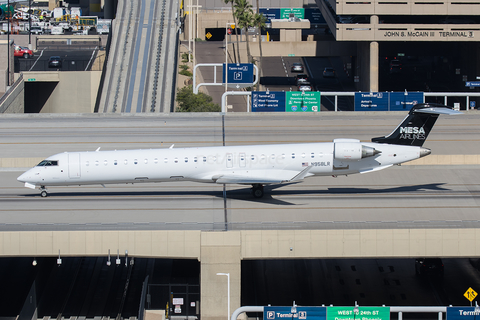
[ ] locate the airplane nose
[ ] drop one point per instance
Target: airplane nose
(424, 152)
(21, 178)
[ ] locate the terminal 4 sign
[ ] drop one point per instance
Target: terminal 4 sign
(301, 313)
(387, 101)
(239, 75)
(462, 313)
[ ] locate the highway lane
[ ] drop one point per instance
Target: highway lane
(418, 196)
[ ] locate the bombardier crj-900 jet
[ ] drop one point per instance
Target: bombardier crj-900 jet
(255, 165)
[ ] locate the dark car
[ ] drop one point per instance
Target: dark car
(297, 67)
(329, 72)
(432, 266)
(301, 78)
(55, 62)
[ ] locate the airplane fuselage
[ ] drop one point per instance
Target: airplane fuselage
(231, 164)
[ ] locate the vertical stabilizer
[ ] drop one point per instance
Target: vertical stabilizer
(416, 126)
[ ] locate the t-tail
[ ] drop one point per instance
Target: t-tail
(414, 129)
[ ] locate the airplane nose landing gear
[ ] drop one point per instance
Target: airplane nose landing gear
(43, 192)
(257, 190)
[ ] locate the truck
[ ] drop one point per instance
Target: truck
(58, 13)
(103, 26)
(57, 30)
(75, 12)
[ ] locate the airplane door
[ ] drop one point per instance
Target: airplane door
(229, 160)
(74, 165)
(242, 159)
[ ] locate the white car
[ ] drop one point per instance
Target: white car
(36, 30)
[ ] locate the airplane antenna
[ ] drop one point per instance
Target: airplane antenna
(171, 147)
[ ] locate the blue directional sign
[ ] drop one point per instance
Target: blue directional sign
(314, 15)
(371, 101)
(301, 313)
(462, 313)
(400, 101)
(472, 84)
(270, 13)
(472, 104)
(240, 75)
(271, 101)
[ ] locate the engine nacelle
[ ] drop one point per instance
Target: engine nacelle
(352, 151)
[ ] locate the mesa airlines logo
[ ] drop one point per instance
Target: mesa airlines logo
(412, 133)
(412, 130)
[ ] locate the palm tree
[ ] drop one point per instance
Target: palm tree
(244, 14)
(236, 34)
(259, 21)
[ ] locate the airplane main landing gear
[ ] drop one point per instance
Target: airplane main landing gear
(257, 190)
(43, 192)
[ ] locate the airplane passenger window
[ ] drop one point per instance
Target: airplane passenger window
(125, 162)
(165, 160)
(146, 161)
(135, 161)
(115, 162)
(186, 159)
(96, 163)
(303, 155)
(105, 162)
(194, 159)
(155, 160)
(204, 159)
(272, 157)
(313, 155)
(87, 163)
(253, 157)
(283, 155)
(262, 157)
(176, 160)
(293, 155)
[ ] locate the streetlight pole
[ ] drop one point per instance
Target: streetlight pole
(228, 289)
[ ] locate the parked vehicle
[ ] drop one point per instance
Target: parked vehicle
(22, 52)
(36, 30)
(57, 30)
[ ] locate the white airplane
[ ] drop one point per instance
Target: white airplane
(255, 165)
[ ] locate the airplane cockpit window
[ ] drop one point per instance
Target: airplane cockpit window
(48, 163)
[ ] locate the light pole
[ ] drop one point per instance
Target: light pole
(226, 56)
(355, 310)
(228, 290)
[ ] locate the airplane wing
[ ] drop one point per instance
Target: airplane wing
(261, 176)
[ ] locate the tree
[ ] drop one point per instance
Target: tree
(260, 22)
(236, 34)
(190, 102)
(245, 15)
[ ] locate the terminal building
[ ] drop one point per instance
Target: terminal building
(427, 38)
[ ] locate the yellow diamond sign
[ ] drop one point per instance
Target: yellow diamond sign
(208, 35)
(470, 294)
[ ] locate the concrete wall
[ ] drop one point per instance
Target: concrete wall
(13, 101)
(76, 91)
(222, 252)
(4, 83)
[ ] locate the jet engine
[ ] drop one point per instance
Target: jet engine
(352, 150)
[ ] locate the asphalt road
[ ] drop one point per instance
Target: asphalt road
(72, 60)
(399, 197)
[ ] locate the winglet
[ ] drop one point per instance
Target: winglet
(98, 149)
(171, 147)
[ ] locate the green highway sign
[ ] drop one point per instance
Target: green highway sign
(285, 13)
(363, 313)
(302, 101)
